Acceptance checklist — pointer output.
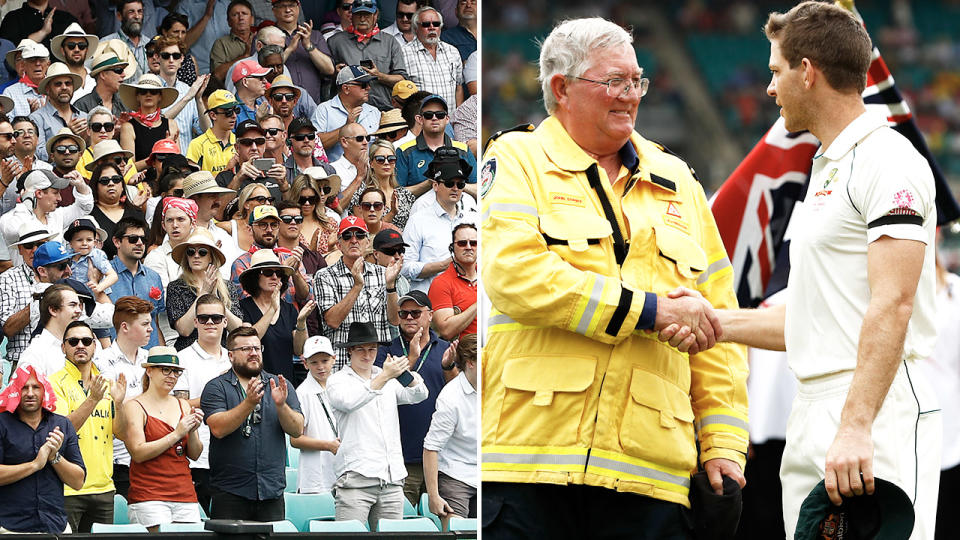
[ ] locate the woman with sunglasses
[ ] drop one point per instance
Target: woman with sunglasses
(310, 190)
(382, 174)
(200, 260)
(281, 328)
(147, 124)
(251, 196)
(110, 203)
(371, 210)
(101, 126)
(161, 435)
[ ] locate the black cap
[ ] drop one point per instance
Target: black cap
(388, 238)
(448, 164)
(419, 297)
(887, 514)
(83, 293)
(300, 123)
(246, 126)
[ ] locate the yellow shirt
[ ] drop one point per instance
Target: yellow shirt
(209, 153)
(87, 156)
(95, 435)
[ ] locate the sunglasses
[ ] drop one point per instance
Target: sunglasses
(430, 115)
(309, 200)
(148, 92)
(118, 71)
(410, 314)
(390, 252)
(9, 135)
(135, 238)
(74, 341)
(402, 15)
(300, 137)
(62, 149)
(363, 85)
(102, 127)
(283, 96)
(82, 45)
(350, 235)
(271, 272)
(346, 7)
(117, 160)
(31, 245)
(227, 112)
(167, 55)
(167, 370)
(203, 252)
(372, 206)
(272, 132)
(429, 24)
(261, 199)
(463, 243)
(177, 193)
(107, 180)
(450, 183)
(60, 267)
(359, 138)
(207, 318)
(385, 159)
(292, 219)
(391, 135)
(248, 141)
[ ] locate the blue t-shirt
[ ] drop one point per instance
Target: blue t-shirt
(147, 285)
(80, 268)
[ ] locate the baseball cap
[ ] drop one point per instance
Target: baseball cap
(84, 224)
(351, 222)
(388, 238)
(419, 297)
(300, 123)
(51, 253)
(246, 126)
(31, 181)
(221, 99)
(349, 74)
(317, 344)
(34, 50)
(248, 68)
(885, 515)
(404, 89)
(164, 146)
(262, 212)
(434, 97)
(364, 6)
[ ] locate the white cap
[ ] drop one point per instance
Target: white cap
(41, 179)
(34, 50)
(317, 344)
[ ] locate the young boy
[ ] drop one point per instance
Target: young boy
(320, 439)
(90, 264)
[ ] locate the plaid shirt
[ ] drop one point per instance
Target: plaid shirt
(333, 283)
(20, 94)
(17, 286)
(441, 75)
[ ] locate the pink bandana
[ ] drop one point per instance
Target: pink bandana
(188, 206)
(10, 396)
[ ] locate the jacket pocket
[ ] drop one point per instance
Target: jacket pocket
(576, 231)
(544, 399)
(681, 252)
(657, 423)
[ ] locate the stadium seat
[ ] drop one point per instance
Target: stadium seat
(303, 507)
(408, 510)
(293, 456)
(283, 526)
(128, 528)
(183, 527)
(425, 511)
(120, 510)
(350, 525)
(462, 524)
(407, 525)
(291, 480)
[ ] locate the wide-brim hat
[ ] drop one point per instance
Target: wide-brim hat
(11, 56)
(59, 69)
(86, 223)
(202, 182)
(30, 232)
(160, 356)
(107, 148)
(73, 31)
(359, 334)
(887, 514)
(65, 133)
(260, 260)
(200, 238)
(391, 121)
(107, 60)
(282, 81)
(321, 174)
(6, 105)
(147, 81)
(123, 52)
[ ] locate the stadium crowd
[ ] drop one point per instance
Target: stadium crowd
(228, 229)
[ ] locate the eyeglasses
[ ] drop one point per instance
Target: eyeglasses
(429, 24)
(74, 341)
(463, 243)
(31, 245)
(22, 132)
(346, 7)
(203, 252)
(177, 193)
(249, 349)
(102, 127)
(359, 138)
(135, 238)
(391, 135)
(430, 115)
(385, 159)
(167, 371)
(450, 183)
(271, 272)
(390, 252)
(82, 45)
(292, 219)
(267, 225)
(207, 318)
(262, 199)
(250, 141)
(402, 15)
(60, 267)
(283, 96)
(272, 132)
(618, 87)
(300, 137)
(363, 85)
(309, 200)
(372, 206)
(167, 55)
(107, 180)
(148, 91)
(63, 149)
(350, 235)
(410, 314)
(10, 135)
(118, 71)
(227, 112)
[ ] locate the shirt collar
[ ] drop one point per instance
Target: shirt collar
(856, 131)
(123, 357)
(204, 355)
(465, 384)
(74, 371)
(422, 142)
(567, 154)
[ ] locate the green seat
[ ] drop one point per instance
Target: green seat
(303, 507)
(291, 480)
(293, 456)
(407, 525)
(283, 526)
(183, 527)
(408, 510)
(120, 510)
(425, 511)
(350, 525)
(126, 528)
(463, 524)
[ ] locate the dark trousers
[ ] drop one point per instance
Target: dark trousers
(85, 510)
(948, 503)
(522, 511)
(201, 484)
(121, 479)
(229, 506)
(762, 514)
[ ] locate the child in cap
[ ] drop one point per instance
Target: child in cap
(90, 264)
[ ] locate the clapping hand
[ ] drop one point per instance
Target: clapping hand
(279, 391)
(48, 452)
(118, 389)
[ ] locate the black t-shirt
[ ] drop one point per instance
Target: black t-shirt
(20, 23)
(278, 340)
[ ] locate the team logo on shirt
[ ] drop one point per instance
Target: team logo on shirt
(673, 217)
(830, 178)
(903, 204)
(486, 176)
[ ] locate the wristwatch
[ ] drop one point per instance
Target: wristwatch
(56, 459)
(310, 48)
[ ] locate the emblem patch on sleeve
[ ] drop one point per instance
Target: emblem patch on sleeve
(903, 204)
(487, 175)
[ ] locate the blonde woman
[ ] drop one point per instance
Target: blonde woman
(310, 191)
(251, 196)
(200, 260)
(382, 174)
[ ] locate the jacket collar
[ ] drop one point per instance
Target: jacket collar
(567, 154)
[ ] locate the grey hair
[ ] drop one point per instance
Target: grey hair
(568, 47)
(416, 16)
(101, 110)
(268, 31)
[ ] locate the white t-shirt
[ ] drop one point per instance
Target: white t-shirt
(317, 468)
(869, 183)
(199, 368)
(453, 431)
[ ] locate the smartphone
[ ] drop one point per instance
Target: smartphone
(263, 164)
(367, 64)
(405, 378)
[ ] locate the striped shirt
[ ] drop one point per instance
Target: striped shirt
(440, 75)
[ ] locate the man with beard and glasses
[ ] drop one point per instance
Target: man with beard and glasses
(32, 486)
(58, 112)
(10, 169)
(36, 20)
(435, 66)
(454, 292)
(300, 138)
(32, 63)
(73, 47)
(248, 412)
(251, 142)
(135, 279)
(402, 27)
(463, 36)
(284, 97)
(130, 15)
(265, 224)
(92, 403)
(107, 71)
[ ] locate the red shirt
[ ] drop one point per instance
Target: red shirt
(450, 289)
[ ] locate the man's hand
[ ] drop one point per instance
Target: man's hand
(118, 389)
(278, 391)
(78, 125)
(334, 446)
(849, 464)
(450, 355)
(48, 451)
(391, 273)
(198, 86)
(354, 113)
(98, 387)
(414, 353)
(372, 70)
(697, 326)
(278, 172)
(393, 366)
(10, 169)
(296, 255)
(247, 170)
(717, 468)
(357, 271)
(35, 103)
(254, 391)
(439, 506)
(48, 23)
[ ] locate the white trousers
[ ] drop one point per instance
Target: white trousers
(907, 437)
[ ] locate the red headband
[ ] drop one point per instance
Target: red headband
(187, 205)
(10, 396)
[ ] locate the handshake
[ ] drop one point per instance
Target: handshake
(687, 321)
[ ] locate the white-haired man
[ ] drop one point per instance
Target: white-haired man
(433, 65)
